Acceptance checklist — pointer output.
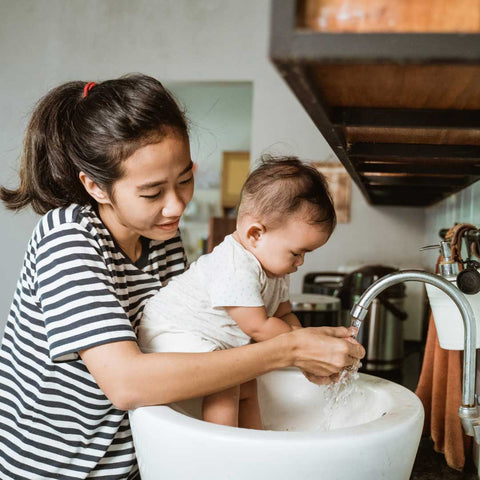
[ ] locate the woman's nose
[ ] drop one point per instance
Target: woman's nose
(174, 206)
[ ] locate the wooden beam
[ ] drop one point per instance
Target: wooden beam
(300, 45)
(405, 118)
(408, 180)
(414, 151)
(416, 166)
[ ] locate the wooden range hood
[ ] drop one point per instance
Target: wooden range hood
(393, 86)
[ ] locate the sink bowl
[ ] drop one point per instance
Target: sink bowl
(371, 433)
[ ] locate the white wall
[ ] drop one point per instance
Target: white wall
(45, 42)
(220, 119)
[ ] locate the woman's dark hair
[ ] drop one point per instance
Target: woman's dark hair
(69, 133)
(282, 186)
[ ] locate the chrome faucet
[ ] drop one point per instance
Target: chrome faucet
(468, 410)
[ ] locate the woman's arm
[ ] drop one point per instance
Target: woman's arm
(130, 378)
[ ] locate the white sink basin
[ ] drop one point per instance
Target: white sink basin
(373, 435)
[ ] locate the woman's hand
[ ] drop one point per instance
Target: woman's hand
(323, 352)
(322, 380)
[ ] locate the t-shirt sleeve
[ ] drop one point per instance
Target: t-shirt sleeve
(77, 295)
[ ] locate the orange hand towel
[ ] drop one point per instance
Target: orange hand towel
(439, 388)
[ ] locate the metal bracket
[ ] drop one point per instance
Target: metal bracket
(469, 416)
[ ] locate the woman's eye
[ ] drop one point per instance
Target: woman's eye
(188, 180)
(151, 196)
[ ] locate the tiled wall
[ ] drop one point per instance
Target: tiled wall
(463, 207)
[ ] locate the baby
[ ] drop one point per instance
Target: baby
(240, 291)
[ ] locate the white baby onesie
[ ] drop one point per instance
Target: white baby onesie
(190, 309)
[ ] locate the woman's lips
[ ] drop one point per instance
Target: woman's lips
(168, 226)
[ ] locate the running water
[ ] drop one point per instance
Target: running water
(338, 394)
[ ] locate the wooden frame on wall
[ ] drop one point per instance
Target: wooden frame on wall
(339, 183)
(235, 170)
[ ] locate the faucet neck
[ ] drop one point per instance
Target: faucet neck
(360, 309)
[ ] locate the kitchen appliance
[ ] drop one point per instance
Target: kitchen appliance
(382, 330)
(315, 310)
(324, 283)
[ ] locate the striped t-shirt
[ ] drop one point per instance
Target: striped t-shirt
(77, 289)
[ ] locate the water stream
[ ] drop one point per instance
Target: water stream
(338, 394)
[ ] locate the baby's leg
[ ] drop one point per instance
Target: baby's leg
(222, 407)
(249, 409)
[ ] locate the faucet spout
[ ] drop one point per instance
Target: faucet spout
(468, 409)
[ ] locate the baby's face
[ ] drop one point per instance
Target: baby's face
(282, 250)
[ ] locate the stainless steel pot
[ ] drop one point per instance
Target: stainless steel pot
(316, 310)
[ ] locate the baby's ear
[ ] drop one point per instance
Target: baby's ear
(254, 233)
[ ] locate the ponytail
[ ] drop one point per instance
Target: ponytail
(70, 132)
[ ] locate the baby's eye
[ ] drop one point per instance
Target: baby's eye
(296, 254)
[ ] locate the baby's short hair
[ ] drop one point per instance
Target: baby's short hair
(281, 186)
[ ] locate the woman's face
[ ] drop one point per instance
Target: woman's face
(153, 192)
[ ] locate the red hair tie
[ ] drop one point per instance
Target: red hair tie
(87, 88)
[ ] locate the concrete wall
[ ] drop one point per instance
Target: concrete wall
(46, 42)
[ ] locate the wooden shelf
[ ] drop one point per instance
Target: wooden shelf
(394, 87)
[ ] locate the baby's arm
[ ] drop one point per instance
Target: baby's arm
(284, 311)
(256, 324)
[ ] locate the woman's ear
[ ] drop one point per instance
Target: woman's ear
(93, 189)
(254, 233)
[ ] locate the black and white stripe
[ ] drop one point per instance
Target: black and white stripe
(76, 290)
